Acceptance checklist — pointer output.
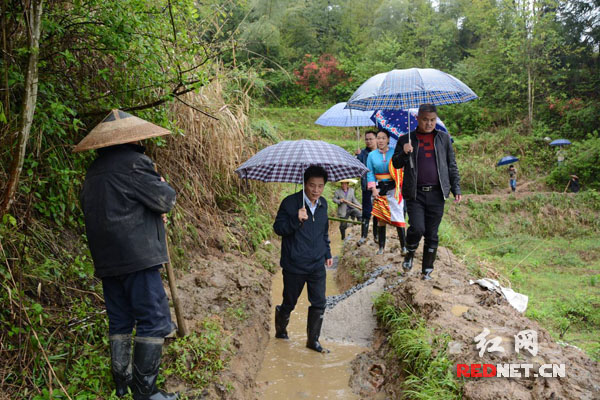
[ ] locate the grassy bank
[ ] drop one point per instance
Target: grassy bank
(419, 350)
(544, 246)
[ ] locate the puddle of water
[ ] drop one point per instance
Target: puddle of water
(291, 371)
(459, 310)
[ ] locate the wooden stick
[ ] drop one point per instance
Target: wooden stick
(181, 325)
(352, 204)
(344, 220)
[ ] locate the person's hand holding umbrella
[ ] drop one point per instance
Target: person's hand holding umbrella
(302, 215)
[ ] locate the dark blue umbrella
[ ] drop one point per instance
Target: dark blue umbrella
(397, 124)
(560, 142)
(507, 160)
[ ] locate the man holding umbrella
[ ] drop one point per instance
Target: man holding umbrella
(430, 174)
(123, 200)
(303, 225)
(367, 201)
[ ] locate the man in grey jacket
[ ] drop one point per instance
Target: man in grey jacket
(430, 174)
(343, 197)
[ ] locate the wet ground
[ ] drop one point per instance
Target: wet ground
(290, 370)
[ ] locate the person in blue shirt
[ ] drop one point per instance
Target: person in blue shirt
(305, 251)
(386, 186)
(367, 199)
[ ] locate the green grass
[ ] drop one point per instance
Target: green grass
(198, 358)
(421, 352)
(298, 123)
(544, 246)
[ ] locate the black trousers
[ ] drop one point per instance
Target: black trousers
(367, 204)
(137, 300)
(293, 285)
(424, 217)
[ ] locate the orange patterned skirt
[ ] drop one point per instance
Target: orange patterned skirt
(390, 208)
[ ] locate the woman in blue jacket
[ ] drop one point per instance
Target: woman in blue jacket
(385, 183)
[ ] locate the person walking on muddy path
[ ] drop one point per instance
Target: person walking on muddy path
(512, 178)
(124, 201)
(302, 223)
(430, 174)
(385, 183)
(343, 197)
(367, 198)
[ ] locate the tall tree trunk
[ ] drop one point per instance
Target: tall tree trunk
(33, 21)
(529, 94)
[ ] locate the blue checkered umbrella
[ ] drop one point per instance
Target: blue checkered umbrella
(338, 115)
(286, 162)
(401, 89)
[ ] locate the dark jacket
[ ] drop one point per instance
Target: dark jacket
(304, 248)
(446, 164)
(362, 157)
(123, 199)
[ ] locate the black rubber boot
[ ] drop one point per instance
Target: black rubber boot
(410, 255)
(364, 230)
(375, 238)
(381, 235)
(313, 329)
(428, 260)
(120, 357)
(146, 363)
(402, 236)
(281, 322)
(343, 232)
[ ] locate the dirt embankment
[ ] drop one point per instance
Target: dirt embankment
(450, 305)
(234, 290)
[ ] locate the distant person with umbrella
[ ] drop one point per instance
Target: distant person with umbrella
(305, 251)
(124, 201)
(367, 201)
(512, 178)
(560, 153)
(430, 174)
(385, 183)
(344, 197)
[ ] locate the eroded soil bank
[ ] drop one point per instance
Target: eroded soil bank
(450, 305)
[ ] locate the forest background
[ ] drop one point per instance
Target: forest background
(534, 64)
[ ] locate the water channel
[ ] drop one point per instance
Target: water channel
(290, 370)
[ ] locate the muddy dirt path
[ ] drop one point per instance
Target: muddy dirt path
(290, 370)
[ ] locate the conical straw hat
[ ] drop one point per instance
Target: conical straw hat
(117, 128)
(349, 181)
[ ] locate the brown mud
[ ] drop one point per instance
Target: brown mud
(450, 305)
(235, 290)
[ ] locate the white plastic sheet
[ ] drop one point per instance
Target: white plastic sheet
(517, 300)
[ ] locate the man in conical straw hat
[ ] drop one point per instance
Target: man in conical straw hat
(343, 197)
(123, 200)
